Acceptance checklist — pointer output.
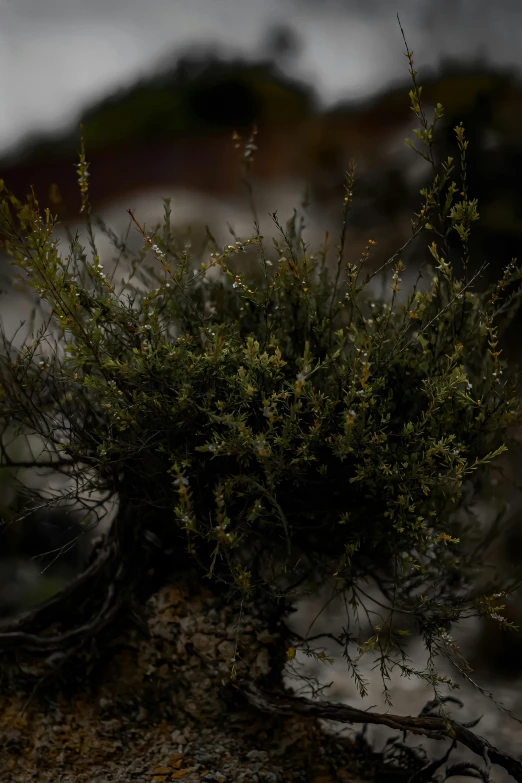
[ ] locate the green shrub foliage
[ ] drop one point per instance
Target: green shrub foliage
(274, 415)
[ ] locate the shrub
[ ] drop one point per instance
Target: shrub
(266, 413)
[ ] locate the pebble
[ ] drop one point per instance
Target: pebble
(178, 737)
(257, 755)
(268, 777)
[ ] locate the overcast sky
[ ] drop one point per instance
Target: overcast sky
(58, 55)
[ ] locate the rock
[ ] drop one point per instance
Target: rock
(265, 637)
(227, 650)
(204, 643)
(261, 666)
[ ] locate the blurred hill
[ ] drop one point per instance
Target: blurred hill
(173, 130)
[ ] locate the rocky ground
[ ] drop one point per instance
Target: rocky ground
(158, 709)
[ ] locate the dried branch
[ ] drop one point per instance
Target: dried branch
(432, 727)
